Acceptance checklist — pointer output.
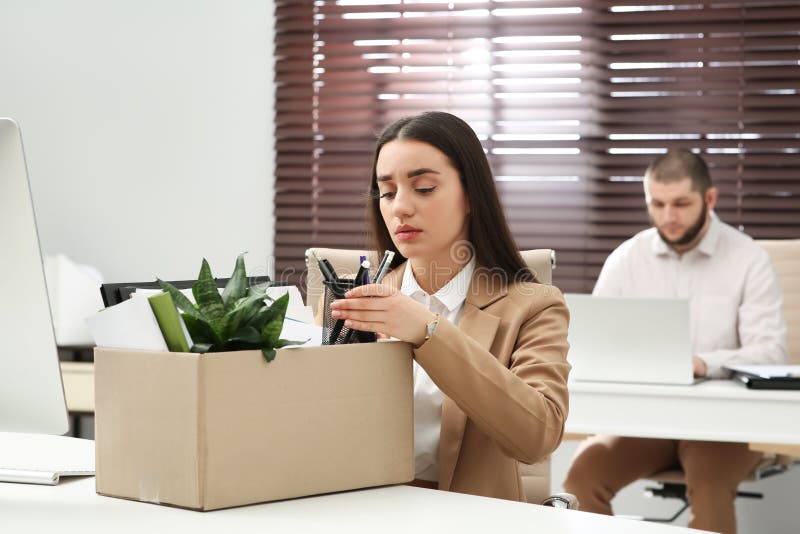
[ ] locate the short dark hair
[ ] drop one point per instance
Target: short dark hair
(677, 164)
(488, 230)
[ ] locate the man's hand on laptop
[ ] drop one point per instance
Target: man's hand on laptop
(699, 367)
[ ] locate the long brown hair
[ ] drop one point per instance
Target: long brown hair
(488, 231)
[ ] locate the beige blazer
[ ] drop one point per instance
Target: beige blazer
(504, 372)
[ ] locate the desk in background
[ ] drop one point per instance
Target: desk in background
(716, 410)
(74, 507)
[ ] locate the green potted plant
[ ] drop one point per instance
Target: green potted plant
(241, 318)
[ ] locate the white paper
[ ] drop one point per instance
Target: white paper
(74, 295)
(300, 331)
(128, 325)
(768, 371)
(296, 309)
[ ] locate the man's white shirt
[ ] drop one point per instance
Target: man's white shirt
(734, 297)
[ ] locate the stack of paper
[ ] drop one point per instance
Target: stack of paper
(128, 325)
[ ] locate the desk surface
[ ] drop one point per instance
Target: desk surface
(719, 410)
(73, 506)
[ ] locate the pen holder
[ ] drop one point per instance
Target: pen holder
(333, 330)
(331, 335)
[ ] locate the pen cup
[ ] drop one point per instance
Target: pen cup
(333, 334)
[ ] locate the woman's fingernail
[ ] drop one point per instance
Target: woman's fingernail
(336, 313)
(347, 294)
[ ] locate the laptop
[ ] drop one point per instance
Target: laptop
(635, 340)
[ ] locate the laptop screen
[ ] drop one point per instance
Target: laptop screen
(621, 339)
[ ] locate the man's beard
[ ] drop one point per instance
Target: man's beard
(691, 234)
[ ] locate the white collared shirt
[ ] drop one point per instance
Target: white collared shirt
(448, 303)
(735, 300)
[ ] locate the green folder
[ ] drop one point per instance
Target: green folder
(169, 322)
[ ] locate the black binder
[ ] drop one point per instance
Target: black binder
(774, 382)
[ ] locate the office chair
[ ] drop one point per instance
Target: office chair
(535, 477)
(785, 256)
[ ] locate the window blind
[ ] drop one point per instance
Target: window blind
(572, 99)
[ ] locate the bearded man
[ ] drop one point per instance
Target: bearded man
(736, 318)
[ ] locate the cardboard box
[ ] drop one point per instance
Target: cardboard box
(209, 431)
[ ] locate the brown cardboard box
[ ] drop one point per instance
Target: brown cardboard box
(209, 431)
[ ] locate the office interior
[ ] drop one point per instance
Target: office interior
(150, 131)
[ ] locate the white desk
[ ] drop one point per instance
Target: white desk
(718, 410)
(73, 506)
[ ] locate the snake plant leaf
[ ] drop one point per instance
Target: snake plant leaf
(207, 296)
(286, 343)
(202, 348)
(264, 315)
(241, 318)
(201, 331)
(247, 334)
(243, 313)
(271, 331)
(181, 302)
(261, 289)
(269, 354)
(236, 287)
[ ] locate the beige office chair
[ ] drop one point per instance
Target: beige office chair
(536, 477)
(785, 256)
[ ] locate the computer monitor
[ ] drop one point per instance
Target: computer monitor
(31, 391)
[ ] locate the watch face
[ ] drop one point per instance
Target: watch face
(432, 326)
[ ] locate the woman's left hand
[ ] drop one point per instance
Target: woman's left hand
(383, 309)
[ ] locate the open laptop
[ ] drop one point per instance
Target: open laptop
(638, 340)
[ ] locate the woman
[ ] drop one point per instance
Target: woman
(490, 374)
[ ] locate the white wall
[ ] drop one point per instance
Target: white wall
(148, 129)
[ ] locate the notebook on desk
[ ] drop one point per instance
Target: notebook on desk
(636, 340)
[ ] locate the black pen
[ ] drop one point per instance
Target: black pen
(339, 324)
(325, 268)
(334, 276)
(366, 274)
(383, 268)
(362, 270)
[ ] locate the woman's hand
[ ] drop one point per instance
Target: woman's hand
(382, 309)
